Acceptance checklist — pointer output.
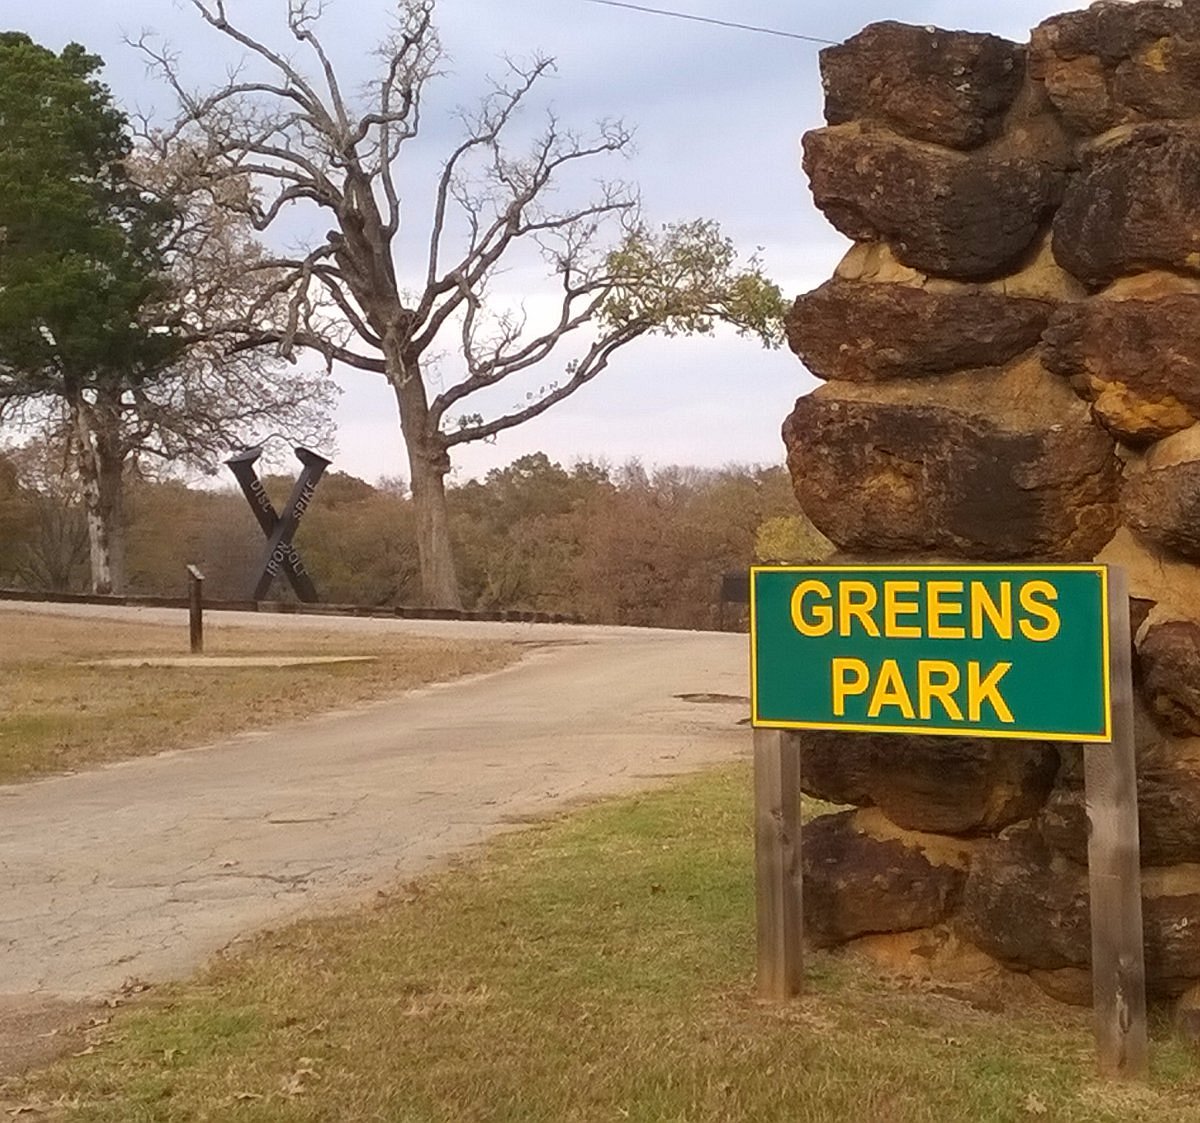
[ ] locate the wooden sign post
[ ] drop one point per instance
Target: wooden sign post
(779, 903)
(1020, 652)
(196, 609)
(1114, 866)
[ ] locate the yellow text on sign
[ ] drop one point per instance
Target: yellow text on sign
(908, 609)
(1000, 650)
(959, 696)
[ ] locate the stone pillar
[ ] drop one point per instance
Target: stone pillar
(1010, 356)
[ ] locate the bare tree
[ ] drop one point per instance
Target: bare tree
(303, 139)
(45, 537)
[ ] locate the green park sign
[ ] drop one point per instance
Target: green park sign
(997, 651)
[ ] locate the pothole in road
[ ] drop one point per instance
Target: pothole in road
(740, 699)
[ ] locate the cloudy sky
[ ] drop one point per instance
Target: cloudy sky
(718, 114)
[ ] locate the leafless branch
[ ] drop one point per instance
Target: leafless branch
(519, 217)
(593, 363)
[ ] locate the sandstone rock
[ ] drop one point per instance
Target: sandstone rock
(1072, 985)
(1139, 612)
(862, 875)
(1027, 905)
(938, 435)
(875, 262)
(1169, 662)
(991, 464)
(945, 87)
(1170, 585)
(834, 767)
(966, 215)
(1151, 285)
(1133, 206)
(1168, 806)
(1163, 505)
(873, 332)
(927, 955)
(1170, 907)
(1137, 361)
(1038, 277)
(1116, 64)
(951, 785)
(958, 785)
(1179, 448)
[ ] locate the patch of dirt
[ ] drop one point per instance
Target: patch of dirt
(215, 662)
(35, 1031)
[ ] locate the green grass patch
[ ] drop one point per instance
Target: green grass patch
(597, 967)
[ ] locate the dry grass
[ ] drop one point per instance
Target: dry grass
(595, 968)
(58, 715)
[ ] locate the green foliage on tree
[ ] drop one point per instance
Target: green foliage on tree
(685, 279)
(82, 258)
(82, 246)
(115, 283)
(790, 540)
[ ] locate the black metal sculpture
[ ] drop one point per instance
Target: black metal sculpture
(280, 553)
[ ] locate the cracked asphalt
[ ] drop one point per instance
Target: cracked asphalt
(143, 869)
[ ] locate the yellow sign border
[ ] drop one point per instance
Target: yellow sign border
(1009, 734)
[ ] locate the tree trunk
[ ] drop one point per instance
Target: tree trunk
(439, 581)
(428, 464)
(101, 480)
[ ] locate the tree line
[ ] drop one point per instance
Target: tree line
(615, 545)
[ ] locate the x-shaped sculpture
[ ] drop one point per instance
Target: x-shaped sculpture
(280, 553)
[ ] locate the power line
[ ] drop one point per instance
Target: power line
(716, 22)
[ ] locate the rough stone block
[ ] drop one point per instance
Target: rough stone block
(951, 785)
(944, 87)
(1118, 64)
(1133, 206)
(1165, 585)
(1163, 505)
(1170, 905)
(1027, 905)
(991, 465)
(863, 875)
(955, 214)
(873, 332)
(835, 767)
(1136, 361)
(1169, 662)
(1168, 807)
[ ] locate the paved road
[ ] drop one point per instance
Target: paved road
(142, 869)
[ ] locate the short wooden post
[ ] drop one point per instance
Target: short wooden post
(196, 609)
(777, 864)
(1114, 865)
